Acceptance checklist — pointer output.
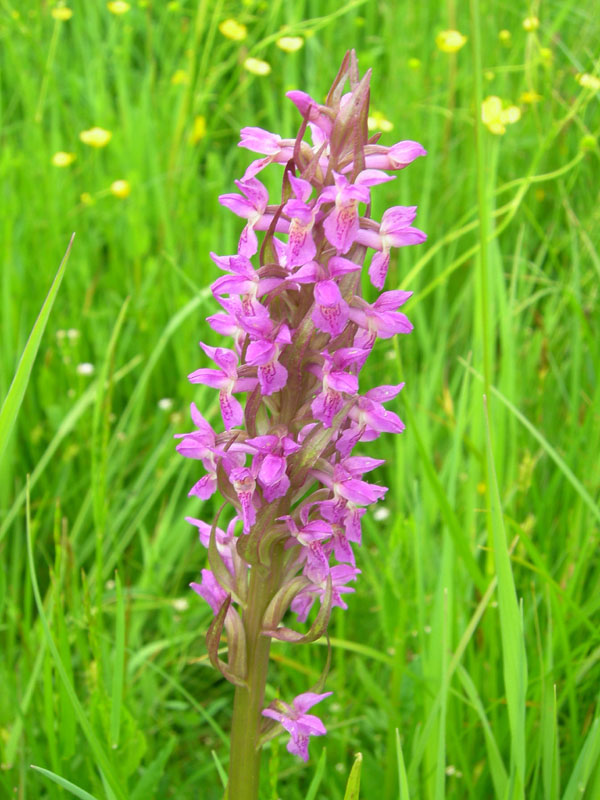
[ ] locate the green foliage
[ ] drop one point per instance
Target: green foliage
(468, 664)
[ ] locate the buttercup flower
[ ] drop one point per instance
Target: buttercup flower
(120, 188)
(198, 129)
(294, 404)
(290, 44)
(118, 7)
(62, 159)
(377, 122)
(96, 137)
(62, 13)
(588, 81)
(496, 116)
(531, 24)
(233, 30)
(257, 67)
(450, 41)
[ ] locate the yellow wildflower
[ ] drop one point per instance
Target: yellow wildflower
(588, 81)
(96, 137)
(120, 188)
(414, 64)
(546, 55)
(495, 117)
(118, 7)
(198, 129)
(257, 67)
(62, 13)
(505, 36)
(531, 24)
(180, 76)
(450, 41)
(289, 44)
(511, 115)
(62, 159)
(587, 143)
(530, 97)
(234, 30)
(377, 122)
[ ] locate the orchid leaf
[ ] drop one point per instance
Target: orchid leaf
(318, 627)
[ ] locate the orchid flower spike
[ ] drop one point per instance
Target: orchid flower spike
(294, 400)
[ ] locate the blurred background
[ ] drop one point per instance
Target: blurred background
(467, 663)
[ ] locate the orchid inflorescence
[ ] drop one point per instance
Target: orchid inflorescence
(301, 334)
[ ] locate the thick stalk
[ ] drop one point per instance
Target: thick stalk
(244, 758)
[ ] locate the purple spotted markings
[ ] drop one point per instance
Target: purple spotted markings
(293, 404)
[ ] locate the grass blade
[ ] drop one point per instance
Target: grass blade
(511, 629)
(118, 666)
(404, 793)
(220, 769)
(317, 777)
(496, 765)
(353, 785)
(588, 760)
(64, 783)
(14, 398)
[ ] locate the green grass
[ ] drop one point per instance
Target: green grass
(468, 664)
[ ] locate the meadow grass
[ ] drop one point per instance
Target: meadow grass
(468, 663)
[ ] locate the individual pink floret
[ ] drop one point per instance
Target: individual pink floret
(395, 230)
(297, 722)
(330, 313)
(226, 380)
(341, 225)
(301, 247)
(340, 575)
(252, 206)
(264, 353)
(397, 156)
(379, 319)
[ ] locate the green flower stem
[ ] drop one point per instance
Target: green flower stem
(244, 759)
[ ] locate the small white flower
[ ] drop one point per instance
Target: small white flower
(180, 604)
(85, 369)
(60, 334)
(381, 513)
(165, 403)
(73, 334)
